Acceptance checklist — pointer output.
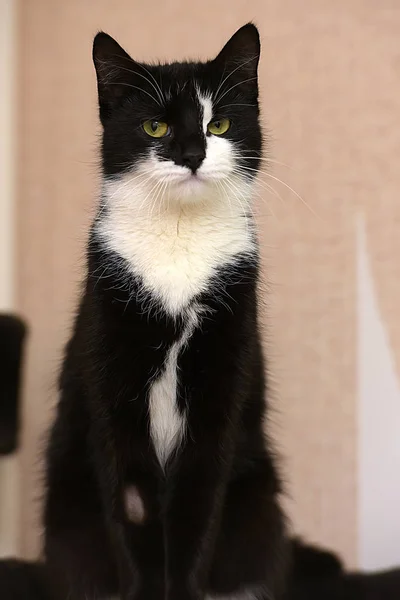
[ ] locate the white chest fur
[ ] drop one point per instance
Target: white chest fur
(175, 250)
(167, 424)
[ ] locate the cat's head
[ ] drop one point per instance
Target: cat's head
(181, 129)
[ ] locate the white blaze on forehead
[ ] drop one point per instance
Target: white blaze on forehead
(206, 104)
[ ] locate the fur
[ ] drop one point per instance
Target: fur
(160, 480)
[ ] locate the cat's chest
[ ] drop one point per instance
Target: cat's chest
(168, 422)
(176, 256)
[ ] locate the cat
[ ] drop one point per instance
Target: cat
(160, 480)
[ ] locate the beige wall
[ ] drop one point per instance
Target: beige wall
(9, 472)
(330, 97)
(7, 147)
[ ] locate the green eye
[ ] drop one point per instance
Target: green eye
(156, 129)
(219, 127)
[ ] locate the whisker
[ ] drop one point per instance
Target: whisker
(227, 196)
(295, 193)
(269, 188)
(160, 193)
(154, 79)
(152, 190)
(136, 88)
(265, 159)
(236, 104)
(156, 89)
(223, 190)
(286, 185)
(262, 183)
(234, 189)
(266, 203)
(141, 65)
(230, 74)
(122, 185)
(234, 86)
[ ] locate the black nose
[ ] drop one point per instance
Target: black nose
(193, 159)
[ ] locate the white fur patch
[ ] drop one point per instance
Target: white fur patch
(167, 424)
(255, 593)
(206, 104)
(134, 506)
(176, 245)
(250, 594)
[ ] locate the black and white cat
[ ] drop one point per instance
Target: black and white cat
(160, 480)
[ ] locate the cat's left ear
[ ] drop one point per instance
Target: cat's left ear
(112, 65)
(239, 57)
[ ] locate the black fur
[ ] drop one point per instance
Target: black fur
(213, 524)
(317, 574)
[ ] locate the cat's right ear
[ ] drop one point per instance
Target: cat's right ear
(111, 63)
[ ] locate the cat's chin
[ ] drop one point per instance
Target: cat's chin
(192, 188)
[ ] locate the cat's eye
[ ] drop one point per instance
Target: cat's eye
(219, 127)
(156, 129)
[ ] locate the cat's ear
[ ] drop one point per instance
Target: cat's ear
(112, 64)
(240, 56)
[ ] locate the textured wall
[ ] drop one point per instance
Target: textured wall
(9, 514)
(331, 98)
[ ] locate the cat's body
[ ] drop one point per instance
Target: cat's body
(160, 481)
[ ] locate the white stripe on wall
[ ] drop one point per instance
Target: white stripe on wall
(7, 70)
(379, 426)
(9, 505)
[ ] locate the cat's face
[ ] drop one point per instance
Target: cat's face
(181, 130)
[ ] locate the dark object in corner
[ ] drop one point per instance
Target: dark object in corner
(12, 335)
(356, 586)
(21, 581)
(312, 562)
(318, 574)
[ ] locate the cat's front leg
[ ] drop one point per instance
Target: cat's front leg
(140, 558)
(192, 524)
(132, 514)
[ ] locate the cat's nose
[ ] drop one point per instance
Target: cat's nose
(193, 159)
